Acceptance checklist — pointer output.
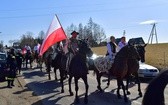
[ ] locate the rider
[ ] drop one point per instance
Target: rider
(73, 44)
(111, 48)
(122, 43)
(72, 47)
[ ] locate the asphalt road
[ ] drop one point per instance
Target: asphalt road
(50, 90)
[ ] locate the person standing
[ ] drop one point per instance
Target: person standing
(19, 59)
(111, 48)
(11, 65)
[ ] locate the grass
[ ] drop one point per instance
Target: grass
(156, 54)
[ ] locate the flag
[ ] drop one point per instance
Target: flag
(54, 34)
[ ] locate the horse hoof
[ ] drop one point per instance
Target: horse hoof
(108, 84)
(86, 101)
(71, 94)
(99, 88)
(140, 94)
(128, 93)
(62, 91)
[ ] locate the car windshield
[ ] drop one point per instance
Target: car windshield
(2, 57)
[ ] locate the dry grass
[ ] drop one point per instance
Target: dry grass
(156, 54)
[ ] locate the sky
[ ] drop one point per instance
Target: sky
(20, 16)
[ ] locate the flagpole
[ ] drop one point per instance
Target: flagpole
(60, 24)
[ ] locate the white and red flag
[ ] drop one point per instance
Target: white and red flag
(54, 34)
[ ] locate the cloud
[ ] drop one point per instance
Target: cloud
(148, 22)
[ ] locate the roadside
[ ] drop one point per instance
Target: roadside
(20, 94)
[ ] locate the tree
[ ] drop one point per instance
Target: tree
(40, 37)
(80, 30)
(27, 39)
(93, 31)
(1, 45)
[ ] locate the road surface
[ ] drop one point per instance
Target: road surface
(49, 91)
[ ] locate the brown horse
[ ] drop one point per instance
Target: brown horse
(154, 94)
(133, 67)
(78, 68)
(125, 64)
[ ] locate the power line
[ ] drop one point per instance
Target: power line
(75, 12)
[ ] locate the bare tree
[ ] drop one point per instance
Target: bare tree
(27, 39)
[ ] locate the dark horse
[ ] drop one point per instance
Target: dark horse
(154, 94)
(133, 67)
(125, 64)
(141, 51)
(29, 58)
(78, 68)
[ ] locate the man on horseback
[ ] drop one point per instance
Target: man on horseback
(72, 47)
(111, 48)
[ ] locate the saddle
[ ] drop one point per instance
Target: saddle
(103, 64)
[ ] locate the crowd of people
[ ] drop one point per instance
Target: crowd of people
(69, 48)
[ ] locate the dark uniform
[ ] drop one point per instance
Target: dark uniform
(19, 59)
(11, 64)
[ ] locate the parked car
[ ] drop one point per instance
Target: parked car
(3, 57)
(90, 61)
(147, 71)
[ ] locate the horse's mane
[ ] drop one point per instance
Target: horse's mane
(154, 94)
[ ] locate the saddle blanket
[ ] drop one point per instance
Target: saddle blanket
(103, 64)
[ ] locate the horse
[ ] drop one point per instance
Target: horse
(124, 65)
(29, 58)
(78, 68)
(141, 51)
(154, 94)
(133, 67)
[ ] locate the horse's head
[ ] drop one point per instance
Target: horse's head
(141, 51)
(84, 48)
(128, 52)
(132, 52)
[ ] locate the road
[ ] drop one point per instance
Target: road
(50, 91)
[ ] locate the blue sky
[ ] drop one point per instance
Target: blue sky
(19, 16)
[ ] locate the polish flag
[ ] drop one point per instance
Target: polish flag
(54, 34)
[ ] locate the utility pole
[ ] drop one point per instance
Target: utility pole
(124, 32)
(153, 33)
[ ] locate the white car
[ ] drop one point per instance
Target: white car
(147, 71)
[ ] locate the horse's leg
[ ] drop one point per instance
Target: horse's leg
(55, 72)
(26, 62)
(48, 71)
(41, 64)
(98, 77)
(118, 89)
(123, 87)
(62, 79)
(86, 87)
(139, 84)
(127, 83)
(108, 82)
(76, 89)
(69, 81)
(30, 60)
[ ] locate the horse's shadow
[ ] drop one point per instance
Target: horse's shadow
(101, 98)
